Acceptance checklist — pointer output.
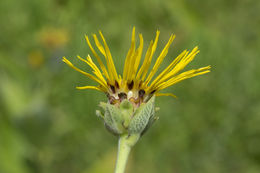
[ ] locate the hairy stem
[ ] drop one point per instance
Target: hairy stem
(125, 144)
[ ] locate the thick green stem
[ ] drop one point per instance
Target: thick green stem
(125, 144)
(122, 155)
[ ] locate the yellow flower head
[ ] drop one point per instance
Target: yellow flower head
(137, 84)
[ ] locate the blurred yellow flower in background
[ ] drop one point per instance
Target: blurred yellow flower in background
(35, 58)
(53, 38)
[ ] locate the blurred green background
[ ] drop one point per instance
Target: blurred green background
(47, 126)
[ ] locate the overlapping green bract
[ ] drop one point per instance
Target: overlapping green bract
(125, 119)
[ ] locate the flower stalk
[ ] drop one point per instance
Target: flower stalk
(125, 143)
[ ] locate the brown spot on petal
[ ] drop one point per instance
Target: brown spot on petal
(141, 93)
(152, 92)
(140, 84)
(122, 96)
(112, 100)
(116, 84)
(130, 85)
(113, 88)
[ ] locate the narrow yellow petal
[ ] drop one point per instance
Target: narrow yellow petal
(103, 68)
(166, 94)
(94, 67)
(84, 73)
(185, 61)
(102, 50)
(133, 65)
(160, 59)
(130, 54)
(91, 87)
(147, 55)
(120, 81)
(99, 45)
(158, 80)
(148, 63)
(109, 57)
(138, 56)
(182, 62)
(183, 76)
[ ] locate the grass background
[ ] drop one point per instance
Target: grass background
(47, 126)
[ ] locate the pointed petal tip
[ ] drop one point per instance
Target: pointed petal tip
(206, 68)
(80, 88)
(167, 94)
(86, 38)
(100, 33)
(64, 59)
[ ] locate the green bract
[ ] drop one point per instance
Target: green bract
(125, 119)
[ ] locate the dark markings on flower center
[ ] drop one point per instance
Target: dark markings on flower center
(116, 84)
(122, 96)
(141, 93)
(140, 84)
(130, 85)
(112, 100)
(152, 92)
(113, 88)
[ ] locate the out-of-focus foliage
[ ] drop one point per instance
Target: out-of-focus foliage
(46, 125)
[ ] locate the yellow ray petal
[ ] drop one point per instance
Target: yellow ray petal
(84, 73)
(183, 62)
(133, 65)
(103, 68)
(120, 81)
(183, 76)
(160, 59)
(94, 67)
(91, 87)
(186, 59)
(157, 80)
(166, 94)
(149, 60)
(109, 57)
(99, 45)
(147, 55)
(102, 50)
(130, 54)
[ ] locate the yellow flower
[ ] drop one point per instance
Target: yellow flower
(53, 38)
(137, 84)
(36, 58)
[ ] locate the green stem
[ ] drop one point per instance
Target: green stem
(125, 144)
